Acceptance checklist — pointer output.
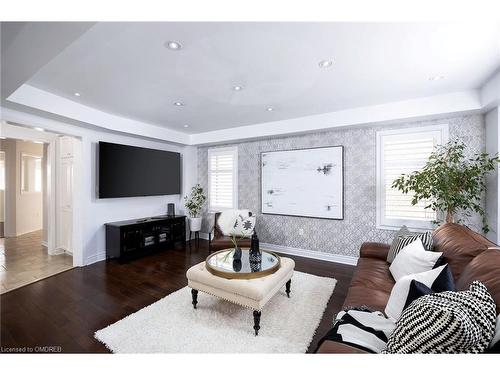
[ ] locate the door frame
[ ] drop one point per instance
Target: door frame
(25, 132)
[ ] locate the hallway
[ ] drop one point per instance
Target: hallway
(24, 260)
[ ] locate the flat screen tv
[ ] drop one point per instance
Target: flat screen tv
(128, 171)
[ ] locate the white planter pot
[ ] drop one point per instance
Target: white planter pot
(194, 224)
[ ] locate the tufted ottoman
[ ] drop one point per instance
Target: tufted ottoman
(253, 294)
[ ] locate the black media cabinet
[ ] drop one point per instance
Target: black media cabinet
(132, 238)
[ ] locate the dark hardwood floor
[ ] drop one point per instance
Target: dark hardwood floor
(65, 310)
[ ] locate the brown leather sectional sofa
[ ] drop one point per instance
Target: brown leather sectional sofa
(470, 256)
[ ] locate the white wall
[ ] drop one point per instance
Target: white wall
(97, 212)
(492, 183)
(29, 217)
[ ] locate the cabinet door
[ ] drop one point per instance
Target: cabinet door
(178, 230)
(164, 233)
(131, 240)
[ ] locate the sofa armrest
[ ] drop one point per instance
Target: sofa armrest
(374, 250)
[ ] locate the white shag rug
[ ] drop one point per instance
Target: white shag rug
(171, 325)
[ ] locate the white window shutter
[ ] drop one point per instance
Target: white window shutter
(403, 152)
(222, 178)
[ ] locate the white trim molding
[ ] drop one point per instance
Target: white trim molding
(46, 101)
(449, 104)
(312, 254)
(94, 258)
(446, 105)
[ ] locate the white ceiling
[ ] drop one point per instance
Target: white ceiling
(124, 68)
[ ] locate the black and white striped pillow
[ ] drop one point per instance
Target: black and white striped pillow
(447, 322)
(401, 241)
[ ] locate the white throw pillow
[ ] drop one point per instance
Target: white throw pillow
(227, 219)
(399, 292)
(244, 226)
(413, 258)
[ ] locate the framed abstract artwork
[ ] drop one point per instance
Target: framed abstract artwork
(306, 182)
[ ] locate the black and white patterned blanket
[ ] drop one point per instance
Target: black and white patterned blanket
(361, 328)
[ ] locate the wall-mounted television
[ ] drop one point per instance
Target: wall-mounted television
(128, 171)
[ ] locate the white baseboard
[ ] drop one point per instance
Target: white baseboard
(95, 258)
(203, 236)
(336, 258)
(45, 244)
(313, 254)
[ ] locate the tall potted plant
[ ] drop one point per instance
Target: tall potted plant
(194, 204)
(451, 182)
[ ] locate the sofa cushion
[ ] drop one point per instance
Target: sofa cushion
(328, 347)
(371, 284)
(363, 296)
(373, 273)
(485, 268)
(459, 246)
(374, 250)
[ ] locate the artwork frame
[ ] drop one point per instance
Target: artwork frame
(300, 163)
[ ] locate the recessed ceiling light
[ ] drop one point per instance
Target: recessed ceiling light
(237, 88)
(325, 63)
(178, 104)
(174, 46)
(269, 109)
(39, 129)
(436, 78)
(186, 126)
(77, 94)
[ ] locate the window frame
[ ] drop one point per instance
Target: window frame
(216, 151)
(383, 222)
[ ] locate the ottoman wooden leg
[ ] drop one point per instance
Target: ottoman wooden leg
(194, 293)
(288, 283)
(256, 321)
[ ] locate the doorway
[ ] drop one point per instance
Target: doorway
(33, 187)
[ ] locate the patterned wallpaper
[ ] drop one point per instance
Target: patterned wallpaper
(331, 236)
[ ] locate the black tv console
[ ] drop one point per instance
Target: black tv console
(132, 238)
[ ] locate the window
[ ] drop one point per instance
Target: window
(223, 178)
(31, 173)
(404, 151)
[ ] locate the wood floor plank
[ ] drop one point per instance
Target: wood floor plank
(66, 309)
